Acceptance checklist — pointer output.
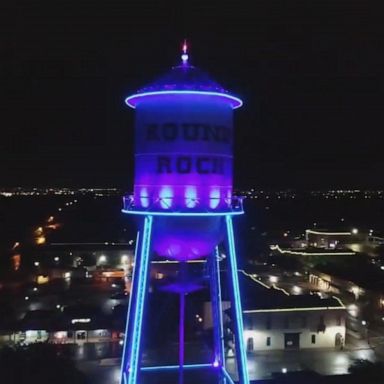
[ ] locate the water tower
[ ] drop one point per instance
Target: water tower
(183, 192)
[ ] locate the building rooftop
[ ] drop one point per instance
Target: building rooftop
(256, 297)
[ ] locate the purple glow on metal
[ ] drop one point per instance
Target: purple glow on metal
(186, 287)
(133, 100)
(144, 198)
(186, 238)
(214, 198)
(215, 364)
(190, 197)
(184, 77)
(166, 197)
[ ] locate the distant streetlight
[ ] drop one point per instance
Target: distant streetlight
(353, 310)
(273, 279)
(284, 370)
(366, 332)
(296, 289)
(36, 263)
(355, 231)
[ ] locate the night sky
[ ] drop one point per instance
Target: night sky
(310, 74)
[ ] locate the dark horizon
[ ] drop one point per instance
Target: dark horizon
(310, 76)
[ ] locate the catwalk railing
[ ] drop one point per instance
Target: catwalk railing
(227, 206)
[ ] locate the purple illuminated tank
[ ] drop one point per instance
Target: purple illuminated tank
(183, 160)
(183, 190)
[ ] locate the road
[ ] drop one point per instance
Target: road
(260, 365)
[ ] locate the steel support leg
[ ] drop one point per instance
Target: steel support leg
(132, 342)
(236, 305)
(217, 311)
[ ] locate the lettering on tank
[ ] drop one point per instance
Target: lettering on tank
(189, 132)
(203, 165)
(169, 132)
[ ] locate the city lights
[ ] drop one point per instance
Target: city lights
(102, 259)
(296, 290)
(81, 321)
(273, 279)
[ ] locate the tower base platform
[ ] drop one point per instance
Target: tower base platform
(192, 374)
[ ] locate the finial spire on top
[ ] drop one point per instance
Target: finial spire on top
(184, 56)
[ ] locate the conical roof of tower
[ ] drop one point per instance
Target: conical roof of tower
(184, 78)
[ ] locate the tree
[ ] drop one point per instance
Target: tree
(37, 363)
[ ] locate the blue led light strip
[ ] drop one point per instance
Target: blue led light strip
(238, 320)
(127, 323)
(140, 299)
(220, 308)
(133, 99)
(217, 311)
(227, 377)
(174, 367)
(207, 214)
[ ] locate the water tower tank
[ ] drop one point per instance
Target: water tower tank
(183, 160)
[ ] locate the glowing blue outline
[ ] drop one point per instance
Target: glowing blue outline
(123, 362)
(217, 311)
(239, 338)
(154, 213)
(139, 308)
(174, 367)
(227, 376)
(238, 102)
(132, 369)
